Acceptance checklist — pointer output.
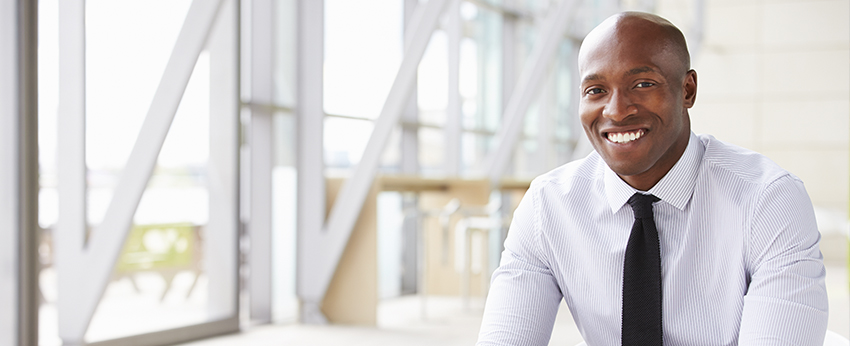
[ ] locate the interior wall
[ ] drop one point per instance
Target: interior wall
(774, 77)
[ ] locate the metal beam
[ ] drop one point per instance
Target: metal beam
(260, 144)
(533, 75)
(177, 335)
(28, 176)
(71, 118)
(410, 165)
(454, 115)
(18, 173)
(9, 228)
(310, 157)
(71, 226)
(79, 295)
(327, 247)
(222, 230)
(410, 134)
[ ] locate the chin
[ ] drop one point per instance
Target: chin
(625, 169)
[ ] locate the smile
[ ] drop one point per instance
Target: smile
(625, 137)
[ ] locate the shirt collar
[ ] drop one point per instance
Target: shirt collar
(675, 188)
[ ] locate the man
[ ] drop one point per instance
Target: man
(660, 236)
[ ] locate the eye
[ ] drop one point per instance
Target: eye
(644, 85)
(594, 91)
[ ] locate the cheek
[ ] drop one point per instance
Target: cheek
(586, 115)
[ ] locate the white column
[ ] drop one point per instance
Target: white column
(310, 157)
(410, 165)
(454, 31)
(71, 151)
(8, 175)
(221, 239)
(260, 224)
(410, 114)
(69, 234)
(9, 225)
(18, 173)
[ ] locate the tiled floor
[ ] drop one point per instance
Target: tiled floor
(448, 323)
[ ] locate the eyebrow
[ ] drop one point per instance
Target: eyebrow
(591, 77)
(634, 71)
(639, 70)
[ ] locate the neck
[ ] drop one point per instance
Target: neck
(646, 180)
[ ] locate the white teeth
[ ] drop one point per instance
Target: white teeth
(625, 137)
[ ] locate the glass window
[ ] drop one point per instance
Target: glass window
(363, 50)
(161, 279)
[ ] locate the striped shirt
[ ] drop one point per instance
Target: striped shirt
(739, 254)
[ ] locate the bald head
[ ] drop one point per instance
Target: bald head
(636, 83)
(639, 28)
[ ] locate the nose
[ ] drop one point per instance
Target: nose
(619, 106)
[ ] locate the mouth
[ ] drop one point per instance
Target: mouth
(624, 137)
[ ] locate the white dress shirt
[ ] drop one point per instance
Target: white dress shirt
(739, 254)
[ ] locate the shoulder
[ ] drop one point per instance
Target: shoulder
(735, 164)
(581, 172)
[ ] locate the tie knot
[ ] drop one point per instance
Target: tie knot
(642, 205)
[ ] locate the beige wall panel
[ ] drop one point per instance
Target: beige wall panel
(679, 13)
(806, 125)
(732, 122)
(807, 22)
(715, 3)
(723, 75)
(730, 24)
(670, 8)
(811, 73)
(352, 296)
(825, 173)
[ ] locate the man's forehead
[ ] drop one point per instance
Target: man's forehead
(634, 35)
(616, 36)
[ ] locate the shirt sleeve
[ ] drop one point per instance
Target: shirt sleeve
(786, 302)
(524, 295)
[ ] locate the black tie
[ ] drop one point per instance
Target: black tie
(642, 278)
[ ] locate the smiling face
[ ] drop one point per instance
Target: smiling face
(636, 88)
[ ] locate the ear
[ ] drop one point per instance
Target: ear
(689, 89)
